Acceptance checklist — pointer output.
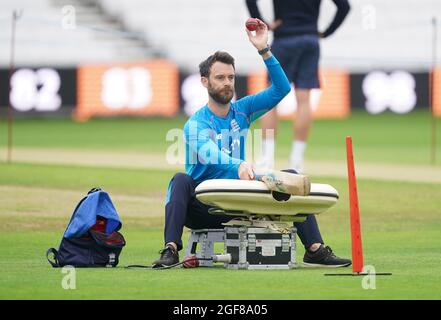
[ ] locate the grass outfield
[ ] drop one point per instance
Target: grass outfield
(384, 138)
(400, 220)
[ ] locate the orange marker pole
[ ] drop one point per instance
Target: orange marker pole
(357, 250)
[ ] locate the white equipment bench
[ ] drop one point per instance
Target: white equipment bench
(261, 235)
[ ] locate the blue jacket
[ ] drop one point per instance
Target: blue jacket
(215, 146)
(94, 204)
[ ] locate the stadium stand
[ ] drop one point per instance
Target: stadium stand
(373, 36)
(42, 40)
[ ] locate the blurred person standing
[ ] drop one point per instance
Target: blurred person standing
(296, 46)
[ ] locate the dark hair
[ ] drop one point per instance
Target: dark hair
(205, 66)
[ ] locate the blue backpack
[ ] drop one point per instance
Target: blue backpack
(91, 238)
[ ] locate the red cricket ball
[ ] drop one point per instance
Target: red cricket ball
(252, 24)
(191, 262)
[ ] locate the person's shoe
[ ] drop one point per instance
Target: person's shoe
(169, 257)
(298, 167)
(324, 257)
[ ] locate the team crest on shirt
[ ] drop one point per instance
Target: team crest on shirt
(234, 125)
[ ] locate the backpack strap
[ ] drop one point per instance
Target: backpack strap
(54, 263)
(94, 190)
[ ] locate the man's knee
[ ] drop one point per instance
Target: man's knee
(182, 179)
(181, 187)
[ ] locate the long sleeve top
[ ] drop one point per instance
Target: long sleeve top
(215, 146)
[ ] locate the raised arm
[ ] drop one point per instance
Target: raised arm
(256, 105)
(343, 8)
(253, 9)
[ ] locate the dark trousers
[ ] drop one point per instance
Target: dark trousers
(183, 209)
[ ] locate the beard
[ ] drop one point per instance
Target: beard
(222, 96)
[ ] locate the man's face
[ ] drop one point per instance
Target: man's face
(220, 82)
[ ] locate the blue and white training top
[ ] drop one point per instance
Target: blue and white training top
(215, 146)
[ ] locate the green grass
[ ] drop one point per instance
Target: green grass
(118, 134)
(400, 221)
(380, 138)
(29, 276)
(80, 178)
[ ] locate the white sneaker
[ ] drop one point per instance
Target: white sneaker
(297, 167)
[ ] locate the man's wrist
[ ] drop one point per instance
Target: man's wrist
(264, 50)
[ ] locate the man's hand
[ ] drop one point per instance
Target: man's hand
(260, 39)
(275, 24)
(245, 171)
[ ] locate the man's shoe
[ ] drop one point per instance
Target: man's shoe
(169, 257)
(324, 257)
